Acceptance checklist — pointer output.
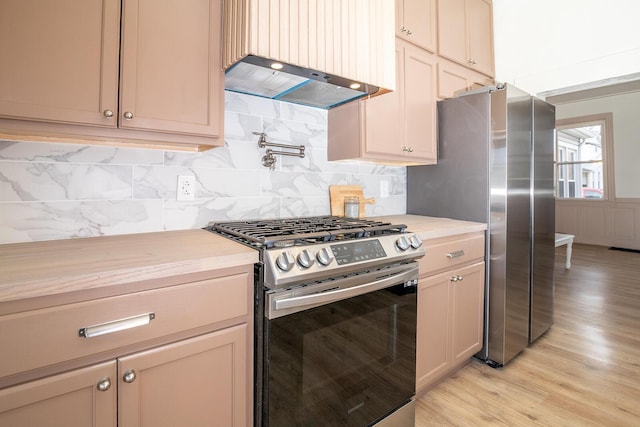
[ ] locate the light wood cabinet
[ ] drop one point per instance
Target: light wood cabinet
(71, 399)
(199, 381)
(450, 307)
(416, 22)
(399, 127)
(196, 382)
(465, 33)
(186, 361)
(57, 67)
(170, 78)
(454, 79)
(150, 75)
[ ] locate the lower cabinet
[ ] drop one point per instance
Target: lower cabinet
(177, 355)
(197, 381)
(80, 398)
(450, 309)
(201, 381)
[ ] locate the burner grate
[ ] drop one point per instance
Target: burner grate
(306, 230)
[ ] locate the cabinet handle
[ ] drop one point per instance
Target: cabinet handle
(455, 254)
(409, 32)
(116, 325)
(472, 61)
(403, 30)
(104, 384)
(129, 376)
(108, 113)
(407, 149)
(456, 278)
(128, 115)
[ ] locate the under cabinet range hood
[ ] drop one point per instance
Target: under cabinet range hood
(316, 53)
(257, 76)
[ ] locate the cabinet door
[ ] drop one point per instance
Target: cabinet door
(452, 79)
(171, 77)
(420, 105)
(57, 67)
(71, 399)
(452, 38)
(467, 312)
(200, 381)
(480, 36)
(416, 22)
(433, 330)
(384, 117)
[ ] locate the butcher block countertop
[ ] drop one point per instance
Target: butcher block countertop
(80, 269)
(66, 267)
(427, 227)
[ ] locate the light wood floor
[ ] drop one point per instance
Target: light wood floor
(584, 372)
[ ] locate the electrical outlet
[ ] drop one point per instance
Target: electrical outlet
(384, 189)
(186, 187)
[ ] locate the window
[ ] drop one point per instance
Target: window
(581, 158)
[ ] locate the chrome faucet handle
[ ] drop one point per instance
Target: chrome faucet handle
(269, 160)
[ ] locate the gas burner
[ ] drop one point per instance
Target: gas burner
(303, 231)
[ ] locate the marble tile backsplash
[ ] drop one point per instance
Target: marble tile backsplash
(58, 191)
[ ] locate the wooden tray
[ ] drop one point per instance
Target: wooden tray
(337, 193)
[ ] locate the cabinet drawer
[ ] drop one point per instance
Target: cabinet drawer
(451, 253)
(39, 338)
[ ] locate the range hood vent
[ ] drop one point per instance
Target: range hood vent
(290, 83)
(320, 54)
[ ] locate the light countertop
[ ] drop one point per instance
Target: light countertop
(427, 227)
(63, 267)
(30, 270)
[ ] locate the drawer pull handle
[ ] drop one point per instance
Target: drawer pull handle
(455, 254)
(116, 325)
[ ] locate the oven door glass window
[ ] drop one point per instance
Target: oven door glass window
(348, 363)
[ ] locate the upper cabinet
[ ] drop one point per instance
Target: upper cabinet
(81, 70)
(57, 67)
(170, 79)
(465, 33)
(416, 22)
(399, 127)
(454, 79)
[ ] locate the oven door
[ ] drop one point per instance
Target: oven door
(341, 353)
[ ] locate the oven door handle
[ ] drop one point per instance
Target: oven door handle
(340, 294)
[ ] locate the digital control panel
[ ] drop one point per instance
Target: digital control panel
(356, 251)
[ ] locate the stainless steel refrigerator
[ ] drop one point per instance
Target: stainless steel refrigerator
(495, 165)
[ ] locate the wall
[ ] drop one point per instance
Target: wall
(59, 191)
(542, 45)
(615, 222)
(626, 135)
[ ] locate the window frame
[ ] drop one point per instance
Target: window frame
(606, 121)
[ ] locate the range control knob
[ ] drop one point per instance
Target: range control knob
(415, 241)
(324, 256)
(306, 259)
(285, 261)
(403, 243)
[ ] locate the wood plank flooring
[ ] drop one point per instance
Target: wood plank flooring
(585, 371)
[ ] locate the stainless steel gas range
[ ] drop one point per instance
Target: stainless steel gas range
(335, 318)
